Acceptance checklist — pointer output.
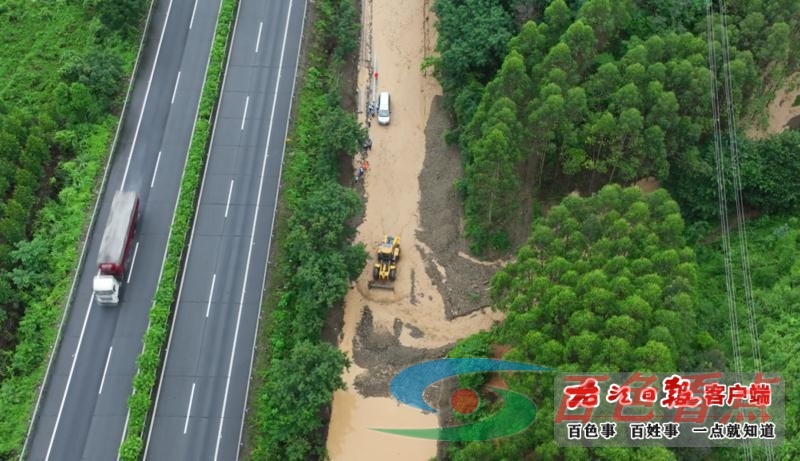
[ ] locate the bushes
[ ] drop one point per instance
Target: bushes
(770, 170)
(769, 178)
(295, 390)
(149, 361)
(50, 158)
(43, 102)
(42, 275)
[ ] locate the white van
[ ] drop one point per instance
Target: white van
(383, 108)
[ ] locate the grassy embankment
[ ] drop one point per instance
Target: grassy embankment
(55, 143)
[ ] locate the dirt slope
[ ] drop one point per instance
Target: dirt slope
(781, 111)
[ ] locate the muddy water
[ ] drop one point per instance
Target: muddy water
(353, 439)
(401, 34)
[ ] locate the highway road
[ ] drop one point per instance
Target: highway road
(203, 388)
(83, 409)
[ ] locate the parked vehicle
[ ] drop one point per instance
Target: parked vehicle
(383, 108)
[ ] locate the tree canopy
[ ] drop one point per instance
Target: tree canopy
(590, 93)
(603, 283)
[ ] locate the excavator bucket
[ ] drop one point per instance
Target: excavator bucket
(380, 285)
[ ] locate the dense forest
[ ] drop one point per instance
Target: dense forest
(614, 285)
(549, 97)
(554, 100)
(61, 91)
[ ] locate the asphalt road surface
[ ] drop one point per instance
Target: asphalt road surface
(201, 399)
(83, 411)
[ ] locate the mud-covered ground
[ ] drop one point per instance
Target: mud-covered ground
(465, 289)
(440, 294)
(461, 281)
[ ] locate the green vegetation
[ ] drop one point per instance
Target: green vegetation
(45, 264)
(590, 93)
(63, 74)
(774, 253)
(770, 174)
(603, 283)
(587, 93)
(315, 261)
(150, 360)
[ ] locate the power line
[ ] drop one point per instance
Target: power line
(740, 215)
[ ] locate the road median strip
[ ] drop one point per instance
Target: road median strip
(140, 403)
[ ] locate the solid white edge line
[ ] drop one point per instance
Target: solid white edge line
(244, 114)
(155, 170)
(253, 232)
(191, 236)
(272, 227)
(105, 370)
(228, 203)
(258, 39)
(146, 94)
(133, 261)
(175, 90)
(69, 379)
(189, 410)
(194, 9)
(211, 294)
(70, 297)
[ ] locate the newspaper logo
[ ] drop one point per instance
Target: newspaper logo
(669, 409)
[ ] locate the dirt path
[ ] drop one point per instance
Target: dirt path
(439, 296)
(781, 111)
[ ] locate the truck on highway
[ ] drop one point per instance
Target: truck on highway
(115, 246)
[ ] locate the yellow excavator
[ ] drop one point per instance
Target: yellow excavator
(385, 270)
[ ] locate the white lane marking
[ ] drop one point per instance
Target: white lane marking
(158, 160)
(244, 114)
(189, 410)
(252, 235)
(175, 90)
(69, 379)
(258, 40)
(146, 94)
(191, 22)
(188, 251)
(133, 260)
(272, 226)
(228, 203)
(211, 294)
(105, 369)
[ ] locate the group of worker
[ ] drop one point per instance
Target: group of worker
(361, 169)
